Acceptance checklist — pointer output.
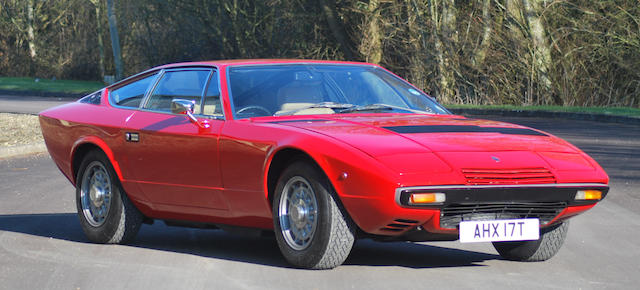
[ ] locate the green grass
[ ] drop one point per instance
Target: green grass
(617, 111)
(48, 85)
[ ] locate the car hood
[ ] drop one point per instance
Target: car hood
(410, 144)
(385, 134)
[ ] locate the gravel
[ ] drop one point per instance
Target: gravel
(19, 129)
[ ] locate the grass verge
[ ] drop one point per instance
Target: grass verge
(48, 85)
(616, 111)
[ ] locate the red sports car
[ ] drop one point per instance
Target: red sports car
(319, 152)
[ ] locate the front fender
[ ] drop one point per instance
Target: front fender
(363, 184)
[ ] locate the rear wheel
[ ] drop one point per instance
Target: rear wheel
(311, 229)
(106, 214)
(549, 243)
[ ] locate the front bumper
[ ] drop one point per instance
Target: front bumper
(550, 203)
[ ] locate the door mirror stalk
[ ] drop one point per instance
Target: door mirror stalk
(185, 107)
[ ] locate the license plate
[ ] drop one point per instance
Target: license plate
(499, 230)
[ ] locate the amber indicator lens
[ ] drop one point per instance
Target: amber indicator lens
(426, 198)
(589, 194)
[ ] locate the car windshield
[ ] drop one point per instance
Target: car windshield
(306, 89)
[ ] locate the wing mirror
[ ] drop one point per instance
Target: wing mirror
(184, 107)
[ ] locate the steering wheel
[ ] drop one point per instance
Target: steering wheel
(255, 108)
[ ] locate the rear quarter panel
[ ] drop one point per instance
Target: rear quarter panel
(67, 127)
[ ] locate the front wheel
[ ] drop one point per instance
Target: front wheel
(311, 229)
(106, 214)
(549, 243)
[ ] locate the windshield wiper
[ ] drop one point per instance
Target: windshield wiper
(330, 105)
(370, 107)
(379, 107)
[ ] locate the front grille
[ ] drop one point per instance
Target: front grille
(508, 176)
(452, 215)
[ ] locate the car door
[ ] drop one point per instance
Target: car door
(174, 160)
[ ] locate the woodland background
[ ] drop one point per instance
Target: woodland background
(522, 52)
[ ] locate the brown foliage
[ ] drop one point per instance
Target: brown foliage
(570, 52)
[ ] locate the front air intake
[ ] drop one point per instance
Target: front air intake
(508, 176)
(452, 215)
(399, 225)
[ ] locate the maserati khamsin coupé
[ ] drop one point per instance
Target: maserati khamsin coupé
(320, 153)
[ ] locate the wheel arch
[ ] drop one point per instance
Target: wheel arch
(285, 156)
(279, 162)
(84, 146)
(360, 183)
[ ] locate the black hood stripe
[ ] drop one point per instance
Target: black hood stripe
(462, 129)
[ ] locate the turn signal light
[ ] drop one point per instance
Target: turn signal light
(426, 198)
(589, 194)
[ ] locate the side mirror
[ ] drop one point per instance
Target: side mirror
(184, 107)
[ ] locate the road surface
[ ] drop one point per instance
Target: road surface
(43, 247)
(28, 104)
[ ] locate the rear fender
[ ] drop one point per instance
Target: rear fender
(100, 144)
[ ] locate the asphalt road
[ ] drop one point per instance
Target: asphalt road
(28, 104)
(43, 247)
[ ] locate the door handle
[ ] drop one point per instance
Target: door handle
(132, 137)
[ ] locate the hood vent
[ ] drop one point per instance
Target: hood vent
(462, 129)
(508, 176)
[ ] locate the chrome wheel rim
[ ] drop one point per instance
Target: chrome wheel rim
(298, 213)
(95, 194)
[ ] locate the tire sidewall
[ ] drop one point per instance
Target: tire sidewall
(314, 252)
(104, 232)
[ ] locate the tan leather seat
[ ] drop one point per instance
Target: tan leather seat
(301, 94)
(209, 109)
(212, 106)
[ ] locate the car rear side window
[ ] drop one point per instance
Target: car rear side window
(93, 99)
(182, 84)
(131, 95)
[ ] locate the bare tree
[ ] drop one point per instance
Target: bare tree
(371, 42)
(30, 34)
(481, 51)
(98, 9)
(115, 40)
(541, 50)
(445, 37)
(328, 7)
(418, 39)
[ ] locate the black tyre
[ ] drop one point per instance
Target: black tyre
(106, 214)
(549, 243)
(311, 228)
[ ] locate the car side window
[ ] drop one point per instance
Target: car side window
(131, 95)
(212, 105)
(182, 84)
